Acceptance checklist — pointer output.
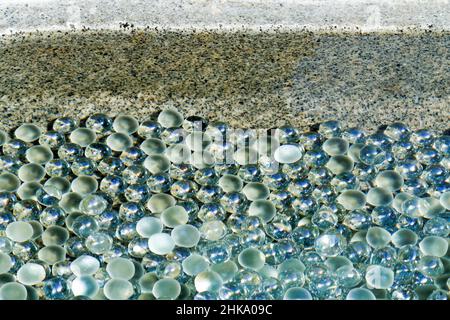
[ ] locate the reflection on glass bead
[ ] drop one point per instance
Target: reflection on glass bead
(98, 242)
(56, 289)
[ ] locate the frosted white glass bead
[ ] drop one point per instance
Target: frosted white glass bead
(119, 141)
(84, 185)
(9, 182)
(5, 262)
(185, 235)
(264, 209)
(120, 268)
(360, 294)
(85, 286)
(174, 216)
(84, 265)
(83, 136)
(161, 243)
(194, 264)
(31, 274)
(389, 179)
(208, 281)
(170, 118)
(39, 154)
(379, 277)
(159, 202)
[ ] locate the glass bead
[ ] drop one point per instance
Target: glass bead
(85, 286)
(372, 155)
(55, 235)
(70, 152)
(82, 136)
(97, 151)
(434, 246)
(340, 164)
(445, 200)
(211, 211)
(352, 199)
(404, 237)
(83, 166)
(213, 230)
(360, 294)
(19, 231)
(430, 207)
(99, 123)
(84, 265)
(287, 134)
(174, 216)
(358, 220)
(378, 237)
(118, 289)
(442, 144)
(161, 243)
(430, 266)
(31, 274)
(170, 118)
(324, 218)
(348, 276)
(208, 281)
(9, 182)
(147, 226)
(288, 153)
(111, 166)
(330, 243)
(194, 264)
(379, 277)
(379, 197)
(437, 227)
(28, 132)
(9, 164)
(120, 268)
(38, 154)
(263, 209)
(93, 204)
(57, 168)
(98, 242)
(52, 254)
(330, 128)
(13, 291)
(5, 262)
(64, 125)
(335, 146)
(159, 202)
(132, 156)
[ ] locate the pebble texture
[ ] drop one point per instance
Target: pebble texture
(248, 79)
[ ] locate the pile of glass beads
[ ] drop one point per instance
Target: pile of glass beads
(179, 208)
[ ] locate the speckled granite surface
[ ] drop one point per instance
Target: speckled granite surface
(253, 79)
